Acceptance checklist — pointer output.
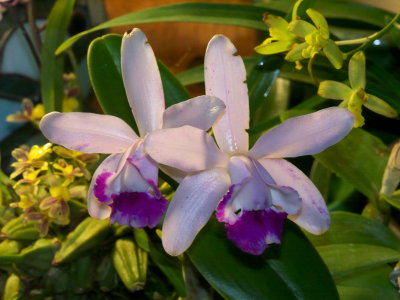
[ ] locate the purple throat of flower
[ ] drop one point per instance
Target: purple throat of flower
(253, 230)
(130, 208)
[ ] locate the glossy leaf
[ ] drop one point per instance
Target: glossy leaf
(348, 160)
(174, 92)
(52, 69)
(278, 274)
(368, 285)
(349, 228)
(218, 13)
(104, 64)
(345, 259)
(261, 79)
(14, 86)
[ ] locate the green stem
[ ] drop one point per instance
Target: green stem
(24, 33)
(32, 24)
(352, 42)
(310, 70)
(370, 39)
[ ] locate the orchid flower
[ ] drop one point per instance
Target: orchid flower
(258, 188)
(124, 186)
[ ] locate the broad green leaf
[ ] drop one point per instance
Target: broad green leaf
(292, 270)
(321, 177)
(349, 228)
(342, 10)
(218, 13)
(348, 160)
(170, 266)
(104, 64)
(368, 285)
(261, 80)
(174, 92)
(345, 259)
(14, 86)
(52, 69)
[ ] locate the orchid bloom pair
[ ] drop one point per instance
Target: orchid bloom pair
(253, 191)
(258, 188)
(124, 186)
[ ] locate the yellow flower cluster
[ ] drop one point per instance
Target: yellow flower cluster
(51, 178)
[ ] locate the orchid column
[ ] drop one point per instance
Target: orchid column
(124, 186)
(257, 187)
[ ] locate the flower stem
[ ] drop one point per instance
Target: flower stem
(367, 41)
(32, 25)
(25, 34)
(310, 70)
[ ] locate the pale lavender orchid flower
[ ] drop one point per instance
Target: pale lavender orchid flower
(124, 186)
(258, 188)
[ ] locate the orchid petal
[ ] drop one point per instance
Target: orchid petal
(87, 132)
(357, 70)
(301, 28)
(319, 21)
(97, 209)
(272, 47)
(334, 90)
(200, 112)
(333, 54)
(313, 216)
(296, 53)
(142, 81)
(185, 148)
(225, 78)
(304, 135)
(380, 107)
(191, 207)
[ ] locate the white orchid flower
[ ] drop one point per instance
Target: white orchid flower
(258, 188)
(124, 186)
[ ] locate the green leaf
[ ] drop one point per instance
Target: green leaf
(292, 270)
(349, 228)
(341, 10)
(368, 285)
(218, 13)
(174, 92)
(348, 160)
(104, 64)
(345, 259)
(14, 85)
(261, 80)
(52, 69)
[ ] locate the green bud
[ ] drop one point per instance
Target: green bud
(130, 262)
(106, 275)
(391, 176)
(17, 229)
(9, 247)
(13, 289)
(36, 259)
(87, 234)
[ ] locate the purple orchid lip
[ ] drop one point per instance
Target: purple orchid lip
(100, 187)
(255, 230)
(138, 209)
(250, 230)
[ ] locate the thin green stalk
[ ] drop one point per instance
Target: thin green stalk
(24, 33)
(32, 25)
(367, 41)
(310, 70)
